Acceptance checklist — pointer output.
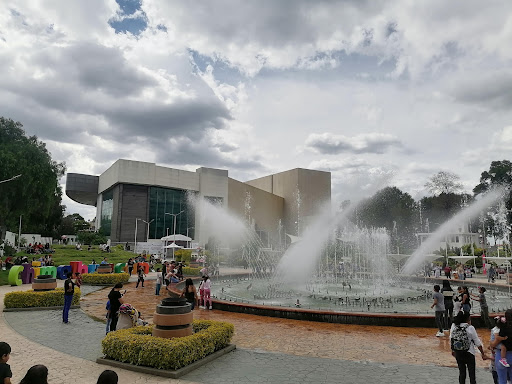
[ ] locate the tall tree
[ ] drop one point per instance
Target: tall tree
(499, 217)
(443, 182)
(440, 208)
(394, 210)
(36, 194)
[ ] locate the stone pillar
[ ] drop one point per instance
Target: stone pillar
(173, 318)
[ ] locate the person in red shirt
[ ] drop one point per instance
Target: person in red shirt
(448, 272)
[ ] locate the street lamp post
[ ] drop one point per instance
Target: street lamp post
(148, 222)
(187, 234)
(174, 232)
(135, 247)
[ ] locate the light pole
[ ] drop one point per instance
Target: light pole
(174, 232)
(187, 234)
(135, 247)
(19, 236)
(148, 222)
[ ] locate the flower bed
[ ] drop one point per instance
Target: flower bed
(187, 271)
(31, 299)
(137, 346)
(105, 278)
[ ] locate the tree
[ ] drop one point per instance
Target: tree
(394, 210)
(439, 209)
(36, 194)
(443, 182)
(499, 217)
(72, 224)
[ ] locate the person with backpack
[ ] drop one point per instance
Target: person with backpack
(463, 339)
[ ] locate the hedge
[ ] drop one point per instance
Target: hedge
(187, 271)
(105, 278)
(137, 346)
(29, 299)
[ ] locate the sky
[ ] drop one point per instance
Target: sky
(376, 92)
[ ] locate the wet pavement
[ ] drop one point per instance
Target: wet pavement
(269, 350)
(417, 346)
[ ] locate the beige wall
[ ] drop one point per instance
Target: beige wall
(266, 208)
(141, 173)
(314, 188)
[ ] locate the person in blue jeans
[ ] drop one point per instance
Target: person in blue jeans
(504, 337)
(69, 290)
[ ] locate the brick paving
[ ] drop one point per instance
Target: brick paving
(268, 350)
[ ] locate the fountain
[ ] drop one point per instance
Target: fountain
(336, 272)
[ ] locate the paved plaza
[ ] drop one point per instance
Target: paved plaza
(268, 350)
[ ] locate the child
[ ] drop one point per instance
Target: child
(505, 337)
(499, 323)
(107, 377)
(36, 374)
(78, 279)
(159, 281)
(140, 274)
(5, 369)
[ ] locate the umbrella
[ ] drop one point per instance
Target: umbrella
(172, 245)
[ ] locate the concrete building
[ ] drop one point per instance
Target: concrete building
(131, 192)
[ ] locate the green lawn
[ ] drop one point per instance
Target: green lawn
(3, 277)
(66, 253)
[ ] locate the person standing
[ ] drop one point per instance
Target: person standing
(484, 309)
(491, 274)
(130, 266)
(463, 339)
(207, 291)
(466, 299)
(190, 293)
(116, 300)
(439, 309)
(159, 281)
(69, 290)
(140, 275)
(447, 292)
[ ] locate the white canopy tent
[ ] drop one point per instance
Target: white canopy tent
(176, 237)
(498, 260)
(432, 257)
(462, 259)
(172, 246)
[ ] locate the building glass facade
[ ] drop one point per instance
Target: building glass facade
(172, 201)
(107, 208)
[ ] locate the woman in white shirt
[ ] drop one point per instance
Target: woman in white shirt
(465, 357)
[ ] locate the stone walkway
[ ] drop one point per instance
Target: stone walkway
(269, 351)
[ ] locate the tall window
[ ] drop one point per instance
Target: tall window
(107, 208)
(166, 200)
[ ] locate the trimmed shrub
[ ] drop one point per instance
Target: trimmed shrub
(137, 346)
(30, 299)
(105, 278)
(187, 271)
